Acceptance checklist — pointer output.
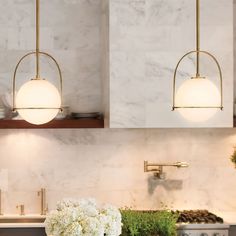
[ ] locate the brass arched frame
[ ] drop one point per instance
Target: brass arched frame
(14, 80)
(220, 77)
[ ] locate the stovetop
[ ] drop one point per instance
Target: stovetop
(201, 223)
(197, 230)
(198, 217)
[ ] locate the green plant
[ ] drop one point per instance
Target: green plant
(233, 157)
(152, 223)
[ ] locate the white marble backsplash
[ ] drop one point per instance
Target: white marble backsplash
(108, 165)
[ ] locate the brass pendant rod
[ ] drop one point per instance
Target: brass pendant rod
(198, 38)
(37, 40)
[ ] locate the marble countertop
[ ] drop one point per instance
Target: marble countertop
(22, 225)
(31, 216)
(42, 225)
(229, 218)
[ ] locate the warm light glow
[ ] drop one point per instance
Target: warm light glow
(198, 92)
(38, 94)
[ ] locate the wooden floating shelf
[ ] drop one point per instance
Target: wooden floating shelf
(87, 123)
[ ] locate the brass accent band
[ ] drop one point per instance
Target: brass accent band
(17, 67)
(220, 77)
(37, 108)
(199, 107)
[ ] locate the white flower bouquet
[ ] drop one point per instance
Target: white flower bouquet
(83, 218)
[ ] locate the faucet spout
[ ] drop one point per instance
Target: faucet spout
(181, 164)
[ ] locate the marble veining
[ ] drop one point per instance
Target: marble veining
(147, 38)
(108, 165)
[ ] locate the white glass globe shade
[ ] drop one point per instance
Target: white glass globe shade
(35, 94)
(198, 92)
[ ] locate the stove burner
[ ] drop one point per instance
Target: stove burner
(198, 217)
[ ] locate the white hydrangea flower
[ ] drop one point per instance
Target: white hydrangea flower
(83, 218)
(112, 220)
(73, 229)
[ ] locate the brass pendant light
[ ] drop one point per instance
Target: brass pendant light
(37, 101)
(198, 99)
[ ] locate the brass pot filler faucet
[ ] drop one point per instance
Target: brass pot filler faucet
(158, 168)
